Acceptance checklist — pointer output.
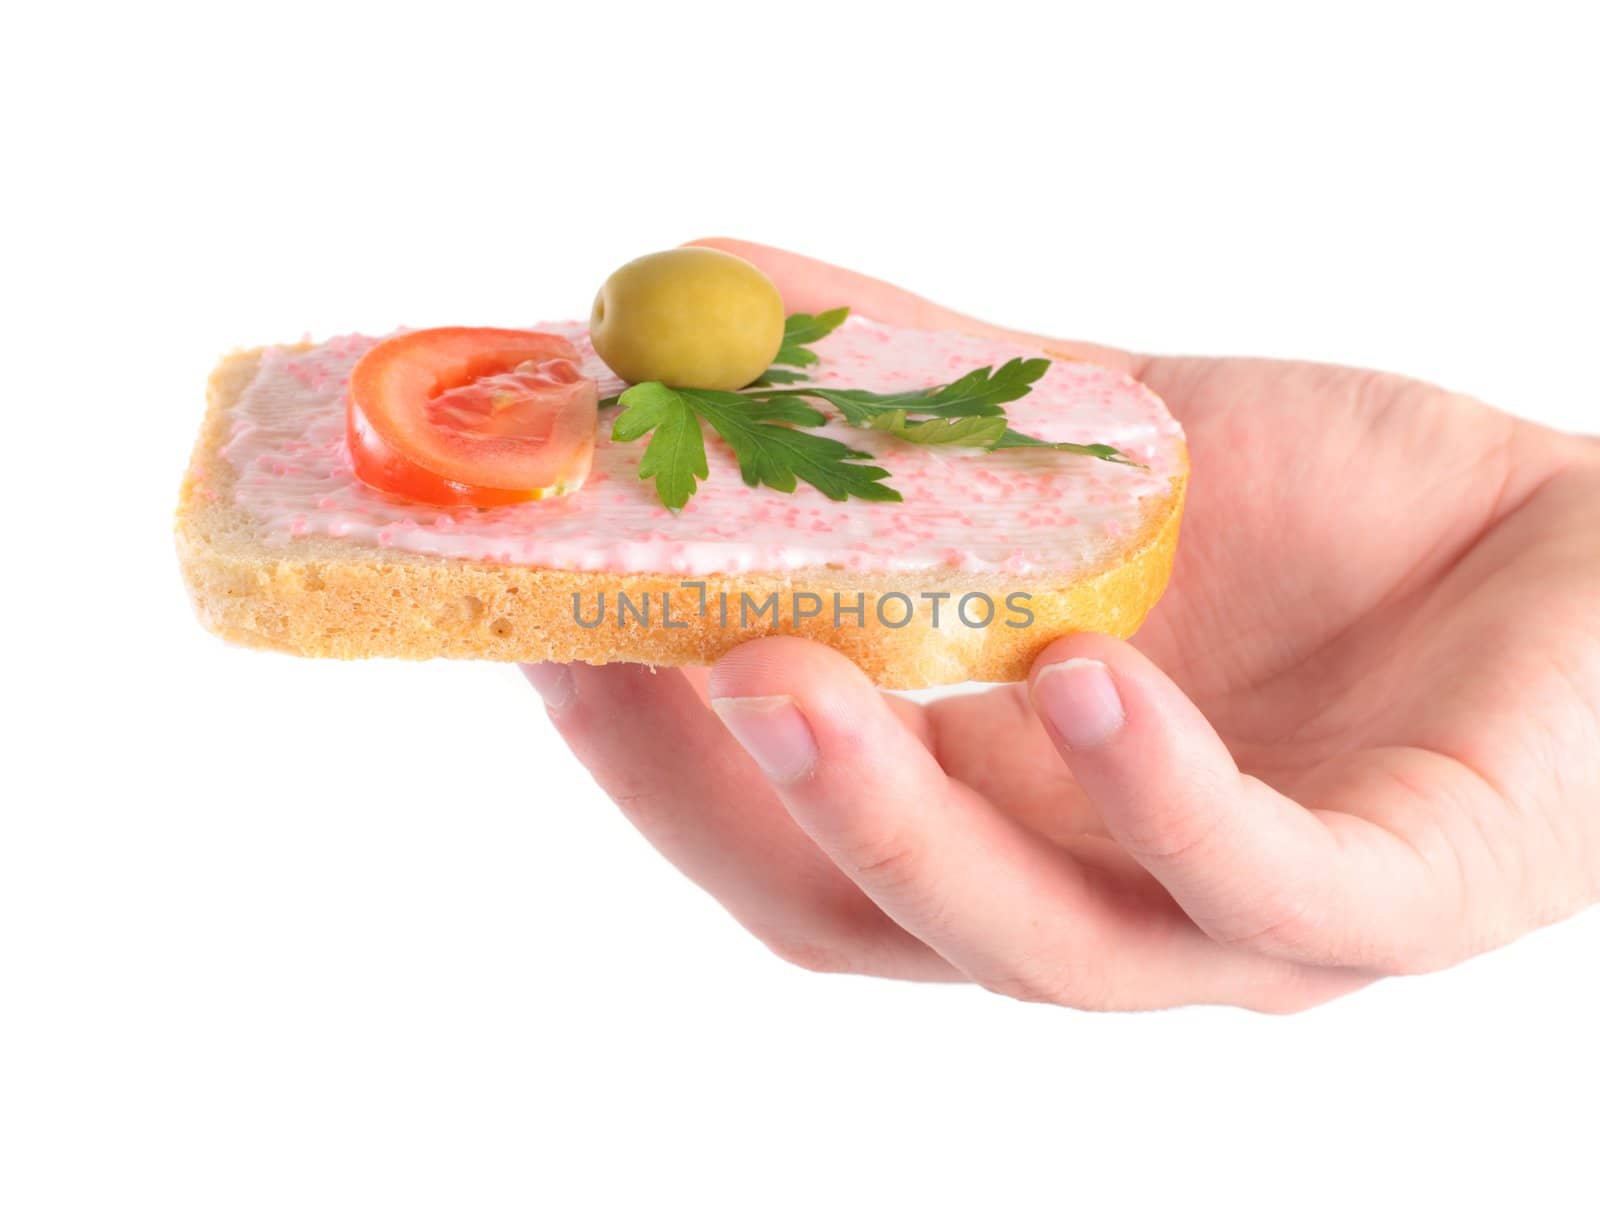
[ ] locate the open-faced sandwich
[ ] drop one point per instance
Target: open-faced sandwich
(687, 471)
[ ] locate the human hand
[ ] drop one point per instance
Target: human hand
(1360, 734)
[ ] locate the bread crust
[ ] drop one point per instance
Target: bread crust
(329, 597)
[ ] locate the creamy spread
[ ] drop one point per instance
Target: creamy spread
(1016, 511)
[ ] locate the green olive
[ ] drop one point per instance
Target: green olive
(689, 317)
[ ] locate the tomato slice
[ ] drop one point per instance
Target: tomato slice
(472, 416)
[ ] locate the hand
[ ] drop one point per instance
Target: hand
(1359, 735)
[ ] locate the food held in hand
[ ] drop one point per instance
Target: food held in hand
(937, 506)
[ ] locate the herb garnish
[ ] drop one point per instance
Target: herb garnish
(769, 450)
(765, 424)
(800, 330)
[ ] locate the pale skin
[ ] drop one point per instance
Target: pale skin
(1359, 736)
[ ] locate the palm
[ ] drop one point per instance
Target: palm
(1344, 609)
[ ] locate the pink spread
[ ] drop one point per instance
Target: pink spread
(1016, 511)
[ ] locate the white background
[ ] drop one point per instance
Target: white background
(283, 933)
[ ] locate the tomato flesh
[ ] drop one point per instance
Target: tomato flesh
(472, 416)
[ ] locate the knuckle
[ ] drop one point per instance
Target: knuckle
(891, 863)
(1179, 837)
(1285, 924)
(1299, 938)
(651, 812)
(1285, 937)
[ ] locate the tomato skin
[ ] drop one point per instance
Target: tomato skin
(398, 443)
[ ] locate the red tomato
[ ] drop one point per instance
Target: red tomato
(472, 416)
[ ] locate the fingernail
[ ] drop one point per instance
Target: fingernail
(773, 731)
(1079, 700)
(554, 683)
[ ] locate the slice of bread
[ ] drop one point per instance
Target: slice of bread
(324, 596)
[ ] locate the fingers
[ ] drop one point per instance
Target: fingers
(1032, 786)
(812, 286)
(998, 901)
(654, 746)
(1250, 866)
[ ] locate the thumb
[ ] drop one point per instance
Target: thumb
(1248, 864)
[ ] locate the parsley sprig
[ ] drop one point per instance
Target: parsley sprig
(760, 433)
(980, 392)
(799, 330)
(764, 425)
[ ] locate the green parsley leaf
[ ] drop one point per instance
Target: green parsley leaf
(800, 330)
(980, 392)
(980, 431)
(762, 434)
(751, 409)
(1012, 440)
(676, 455)
(764, 424)
(771, 453)
(978, 395)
